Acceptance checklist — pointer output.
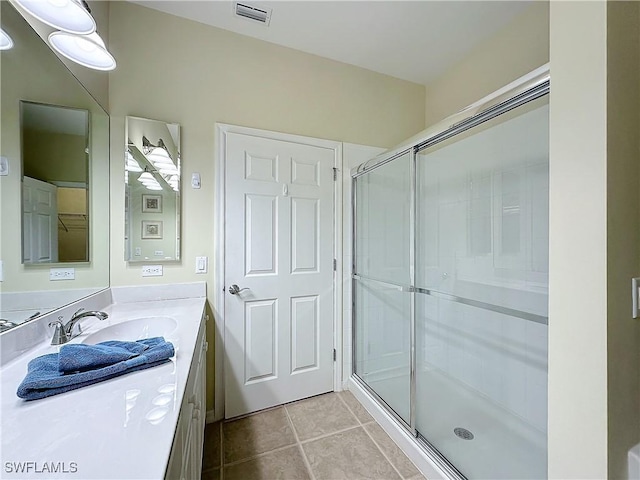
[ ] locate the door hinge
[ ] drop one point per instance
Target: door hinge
(335, 265)
(334, 354)
(335, 174)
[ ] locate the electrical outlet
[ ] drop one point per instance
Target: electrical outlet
(138, 251)
(201, 264)
(152, 270)
(56, 274)
(4, 166)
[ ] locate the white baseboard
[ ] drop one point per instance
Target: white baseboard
(400, 435)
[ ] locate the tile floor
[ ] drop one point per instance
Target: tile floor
(328, 437)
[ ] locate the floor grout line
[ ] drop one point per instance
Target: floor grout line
(325, 435)
(259, 455)
(349, 408)
(383, 454)
(370, 436)
(299, 444)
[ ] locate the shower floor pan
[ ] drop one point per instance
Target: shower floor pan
(504, 446)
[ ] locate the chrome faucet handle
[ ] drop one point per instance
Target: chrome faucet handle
(59, 335)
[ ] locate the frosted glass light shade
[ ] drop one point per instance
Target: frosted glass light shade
(87, 50)
(154, 187)
(5, 40)
(167, 169)
(132, 165)
(159, 156)
(146, 176)
(66, 15)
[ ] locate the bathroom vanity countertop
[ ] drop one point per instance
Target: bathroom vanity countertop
(121, 428)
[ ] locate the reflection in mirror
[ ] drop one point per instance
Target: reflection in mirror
(152, 189)
(55, 142)
(41, 101)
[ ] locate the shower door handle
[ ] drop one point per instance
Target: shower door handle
(235, 290)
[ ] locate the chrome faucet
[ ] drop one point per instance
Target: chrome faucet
(64, 332)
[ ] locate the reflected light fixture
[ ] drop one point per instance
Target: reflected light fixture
(87, 50)
(132, 165)
(159, 156)
(5, 40)
(73, 16)
(146, 177)
(167, 169)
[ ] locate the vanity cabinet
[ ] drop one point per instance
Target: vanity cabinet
(185, 461)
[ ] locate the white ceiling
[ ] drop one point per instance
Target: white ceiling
(412, 40)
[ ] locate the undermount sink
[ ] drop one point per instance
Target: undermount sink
(132, 330)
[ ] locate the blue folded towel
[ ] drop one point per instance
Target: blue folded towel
(79, 365)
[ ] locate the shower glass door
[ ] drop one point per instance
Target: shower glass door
(382, 275)
(481, 283)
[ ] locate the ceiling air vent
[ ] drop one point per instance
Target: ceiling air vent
(262, 15)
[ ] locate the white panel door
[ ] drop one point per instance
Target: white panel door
(40, 221)
(279, 231)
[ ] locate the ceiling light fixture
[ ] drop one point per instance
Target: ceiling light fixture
(5, 40)
(87, 50)
(73, 16)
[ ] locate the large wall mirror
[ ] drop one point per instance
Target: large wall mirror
(152, 189)
(54, 190)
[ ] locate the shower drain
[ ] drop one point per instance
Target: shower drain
(463, 433)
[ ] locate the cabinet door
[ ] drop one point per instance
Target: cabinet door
(177, 459)
(186, 472)
(199, 413)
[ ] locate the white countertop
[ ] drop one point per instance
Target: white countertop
(121, 428)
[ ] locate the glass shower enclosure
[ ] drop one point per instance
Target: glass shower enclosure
(450, 285)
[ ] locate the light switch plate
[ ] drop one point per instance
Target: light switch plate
(4, 166)
(202, 264)
(56, 274)
(152, 270)
(195, 180)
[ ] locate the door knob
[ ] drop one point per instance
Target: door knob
(235, 290)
